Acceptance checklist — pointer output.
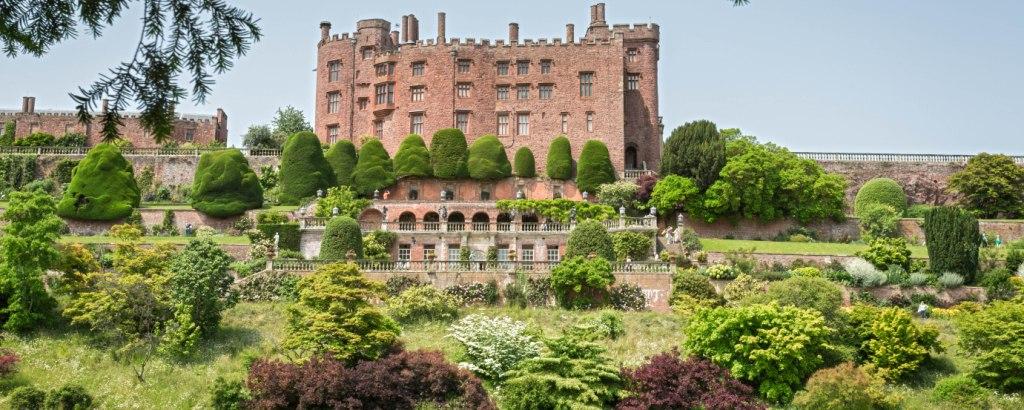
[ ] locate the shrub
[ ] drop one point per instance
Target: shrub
(605, 325)
(994, 338)
(688, 284)
(573, 374)
(62, 172)
(884, 191)
(645, 185)
(950, 280)
(288, 232)
(806, 271)
(412, 158)
(341, 236)
(423, 303)
(558, 209)
(343, 198)
(961, 391)
(890, 342)
(952, 237)
(620, 195)
(377, 245)
(879, 221)
(395, 285)
(69, 397)
(633, 245)
(864, 274)
(268, 286)
(809, 293)
(487, 159)
(7, 137)
(26, 398)
(224, 185)
(374, 170)
(997, 284)
(742, 287)
(918, 211)
(200, 283)
(494, 346)
(582, 283)
(627, 297)
(675, 193)
(342, 159)
(758, 343)
(228, 395)
(559, 164)
(885, 252)
(844, 387)
(590, 237)
(469, 294)
(992, 186)
(448, 154)
(71, 139)
(694, 150)
(919, 279)
(16, 171)
(667, 381)
(303, 169)
(36, 139)
(102, 187)
(595, 167)
(8, 362)
(525, 165)
(720, 271)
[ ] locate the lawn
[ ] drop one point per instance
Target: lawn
(219, 239)
(796, 248)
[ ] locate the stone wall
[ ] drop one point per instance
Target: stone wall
(837, 231)
(168, 170)
(925, 183)
(153, 217)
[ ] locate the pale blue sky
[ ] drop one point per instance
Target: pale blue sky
(936, 76)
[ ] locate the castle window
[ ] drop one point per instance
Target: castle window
(404, 252)
(523, 123)
(545, 91)
(590, 122)
(462, 89)
(332, 134)
(502, 92)
(333, 70)
(502, 123)
(522, 91)
(464, 66)
(378, 128)
(632, 54)
(565, 122)
(363, 102)
(418, 68)
(523, 67)
(503, 68)
(385, 93)
(553, 253)
(417, 92)
(545, 66)
(333, 102)
(385, 68)
(367, 53)
(190, 134)
(632, 82)
(416, 123)
(462, 121)
(586, 84)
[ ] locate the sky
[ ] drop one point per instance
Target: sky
(936, 76)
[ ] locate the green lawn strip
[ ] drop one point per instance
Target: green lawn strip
(222, 240)
(796, 248)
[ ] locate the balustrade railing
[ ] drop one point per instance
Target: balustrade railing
(643, 223)
(298, 265)
(882, 157)
(633, 174)
(132, 151)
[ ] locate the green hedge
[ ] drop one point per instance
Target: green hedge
(880, 191)
(590, 237)
(449, 154)
(560, 159)
(62, 171)
(487, 159)
(413, 158)
(290, 236)
(102, 187)
(952, 236)
(225, 185)
(16, 171)
(342, 158)
(374, 170)
(341, 235)
(595, 167)
(303, 169)
(36, 139)
(525, 166)
(7, 137)
(558, 209)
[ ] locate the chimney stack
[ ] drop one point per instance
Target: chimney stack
(24, 104)
(28, 105)
(103, 106)
(394, 37)
(405, 29)
(325, 30)
(440, 28)
(570, 33)
(513, 32)
(597, 14)
(414, 31)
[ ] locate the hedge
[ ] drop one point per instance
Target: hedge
(7, 137)
(525, 166)
(590, 237)
(595, 167)
(62, 171)
(374, 170)
(341, 235)
(342, 158)
(225, 185)
(449, 154)
(560, 159)
(880, 191)
(16, 171)
(102, 187)
(412, 158)
(487, 159)
(36, 139)
(290, 236)
(952, 236)
(303, 169)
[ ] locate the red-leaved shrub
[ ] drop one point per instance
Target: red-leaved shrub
(7, 362)
(645, 184)
(669, 382)
(398, 381)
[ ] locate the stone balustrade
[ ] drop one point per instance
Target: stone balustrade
(882, 157)
(300, 265)
(646, 223)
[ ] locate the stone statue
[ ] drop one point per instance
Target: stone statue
(654, 211)
(444, 213)
(335, 211)
(320, 193)
(277, 241)
(188, 229)
(384, 212)
(572, 216)
(376, 194)
(622, 210)
(586, 195)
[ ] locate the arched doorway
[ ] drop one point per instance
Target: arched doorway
(531, 222)
(431, 221)
(632, 162)
(407, 221)
(456, 221)
(504, 222)
(371, 219)
(481, 221)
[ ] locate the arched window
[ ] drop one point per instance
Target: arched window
(456, 221)
(481, 221)
(406, 221)
(431, 221)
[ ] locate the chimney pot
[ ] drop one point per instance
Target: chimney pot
(597, 14)
(31, 105)
(570, 33)
(405, 29)
(414, 30)
(24, 104)
(513, 32)
(440, 28)
(325, 30)
(394, 37)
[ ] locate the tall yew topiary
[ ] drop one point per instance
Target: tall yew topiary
(953, 237)
(449, 154)
(595, 167)
(303, 168)
(413, 158)
(487, 159)
(341, 235)
(560, 159)
(342, 158)
(102, 187)
(590, 237)
(525, 166)
(695, 150)
(225, 185)
(374, 170)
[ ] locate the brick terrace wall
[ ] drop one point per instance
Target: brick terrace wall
(169, 170)
(925, 183)
(152, 217)
(847, 230)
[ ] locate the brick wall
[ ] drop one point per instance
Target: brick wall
(924, 183)
(168, 170)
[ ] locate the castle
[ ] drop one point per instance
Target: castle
(604, 86)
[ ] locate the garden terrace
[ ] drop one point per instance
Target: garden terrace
(404, 226)
(429, 266)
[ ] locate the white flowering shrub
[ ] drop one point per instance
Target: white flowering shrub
(864, 274)
(1020, 270)
(494, 345)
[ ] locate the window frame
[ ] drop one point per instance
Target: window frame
(586, 83)
(416, 122)
(522, 127)
(545, 91)
(502, 128)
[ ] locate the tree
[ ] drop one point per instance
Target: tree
(260, 137)
(595, 167)
(341, 236)
(201, 282)
(374, 170)
(412, 158)
(525, 166)
(198, 37)
(675, 193)
(560, 159)
(952, 236)
(992, 186)
(27, 249)
(342, 157)
(288, 121)
(303, 168)
(994, 338)
(590, 237)
(448, 154)
(487, 159)
(7, 137)
(102, 187)
(880, 191)
(225, 185)
(343, 198)
(694, 150)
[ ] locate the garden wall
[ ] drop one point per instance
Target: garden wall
(168, 170)
(151, 217)
(833, 231)
(924, 182)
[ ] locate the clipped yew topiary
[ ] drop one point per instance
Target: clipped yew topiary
(413, 158)
(884, 191)
(595, 167)
(102, 187)
(341, 236)
(590, 237)
(525, 166)
(560, 159)
(342, 158)
(225, 185)
(694, 150)
(303, 168)
(487, 159)
(953, 237)
(374, 170)
(449, 155)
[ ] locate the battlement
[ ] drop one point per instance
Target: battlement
(379, 24)
(639, 31)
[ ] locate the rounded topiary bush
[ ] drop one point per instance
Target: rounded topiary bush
(374, 170)
(225, 185)
(449, 154)
(590, 237)
(341, 235)
(595, 167)
(525, 166)
(303, 168)
(487, 159)
(342, 158)
(560, 159)
(412, 158)
(102, 187)
(880, 191)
